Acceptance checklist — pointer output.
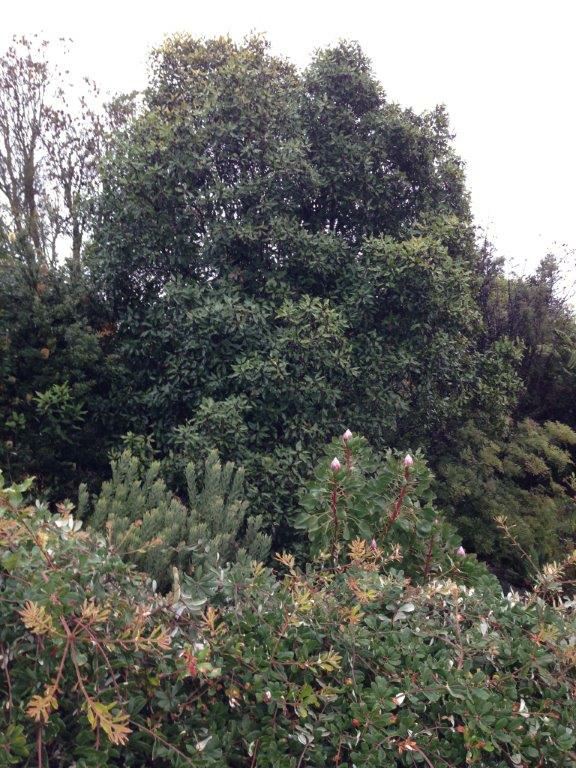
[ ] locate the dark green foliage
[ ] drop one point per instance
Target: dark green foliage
(278, 255)
(288, 255)
(457, 675)
(151, 527)
(533, 311)
(206, 184)
(420, 368)
(378, 167)
(216, 369)
(56, 415)
(528, 478)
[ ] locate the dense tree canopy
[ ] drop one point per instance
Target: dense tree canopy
(287, 253)
(273, 255)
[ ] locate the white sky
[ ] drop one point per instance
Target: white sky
(504, 68)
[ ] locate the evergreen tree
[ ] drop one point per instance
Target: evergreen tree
(286, 255)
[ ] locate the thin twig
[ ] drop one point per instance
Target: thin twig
(163, 741)
(303, 754)
(39, 745)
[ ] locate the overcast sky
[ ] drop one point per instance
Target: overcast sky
(504, 68)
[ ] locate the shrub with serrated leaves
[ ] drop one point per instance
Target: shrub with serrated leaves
(365, 660)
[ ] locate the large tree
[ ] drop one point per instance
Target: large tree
(287, 254)
(50, 146)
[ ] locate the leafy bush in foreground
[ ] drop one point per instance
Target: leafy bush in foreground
(359, 659)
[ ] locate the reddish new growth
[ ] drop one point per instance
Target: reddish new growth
(397, 507)
(191, 663)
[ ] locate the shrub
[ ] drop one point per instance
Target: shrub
(527, 478)
(83, 642)
(58, 413)
(148, 525)
(359, 661)
(386, 500)
(359, 667)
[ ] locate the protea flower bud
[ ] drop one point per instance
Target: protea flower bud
(408, 461)
(267, 696)
(373, 545)
(347, 435)
(461, 552)
(335, 465)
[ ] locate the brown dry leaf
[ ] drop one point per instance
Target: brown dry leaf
(40, 707)
(36, 619)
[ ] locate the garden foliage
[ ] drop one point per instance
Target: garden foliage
(260, 256)
(524, 481)
(285, 253)
(196, 287)
(148, 525)
(364, 657)
(58, 411)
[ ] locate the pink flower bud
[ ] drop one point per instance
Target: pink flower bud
(347, 435)
(267, 696)
(335, 465)
(373, 545)
(408, 461)
(461, 552)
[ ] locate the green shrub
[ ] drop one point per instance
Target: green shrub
(365, 661)
(360, 667)
(83, 642)
(148, 525)
(58, 416)
(527, 478)
(387, 500)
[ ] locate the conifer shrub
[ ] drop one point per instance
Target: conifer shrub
(150, 526)
(361, 657)
(523, 486)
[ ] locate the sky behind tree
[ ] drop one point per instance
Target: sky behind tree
(503, 68)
